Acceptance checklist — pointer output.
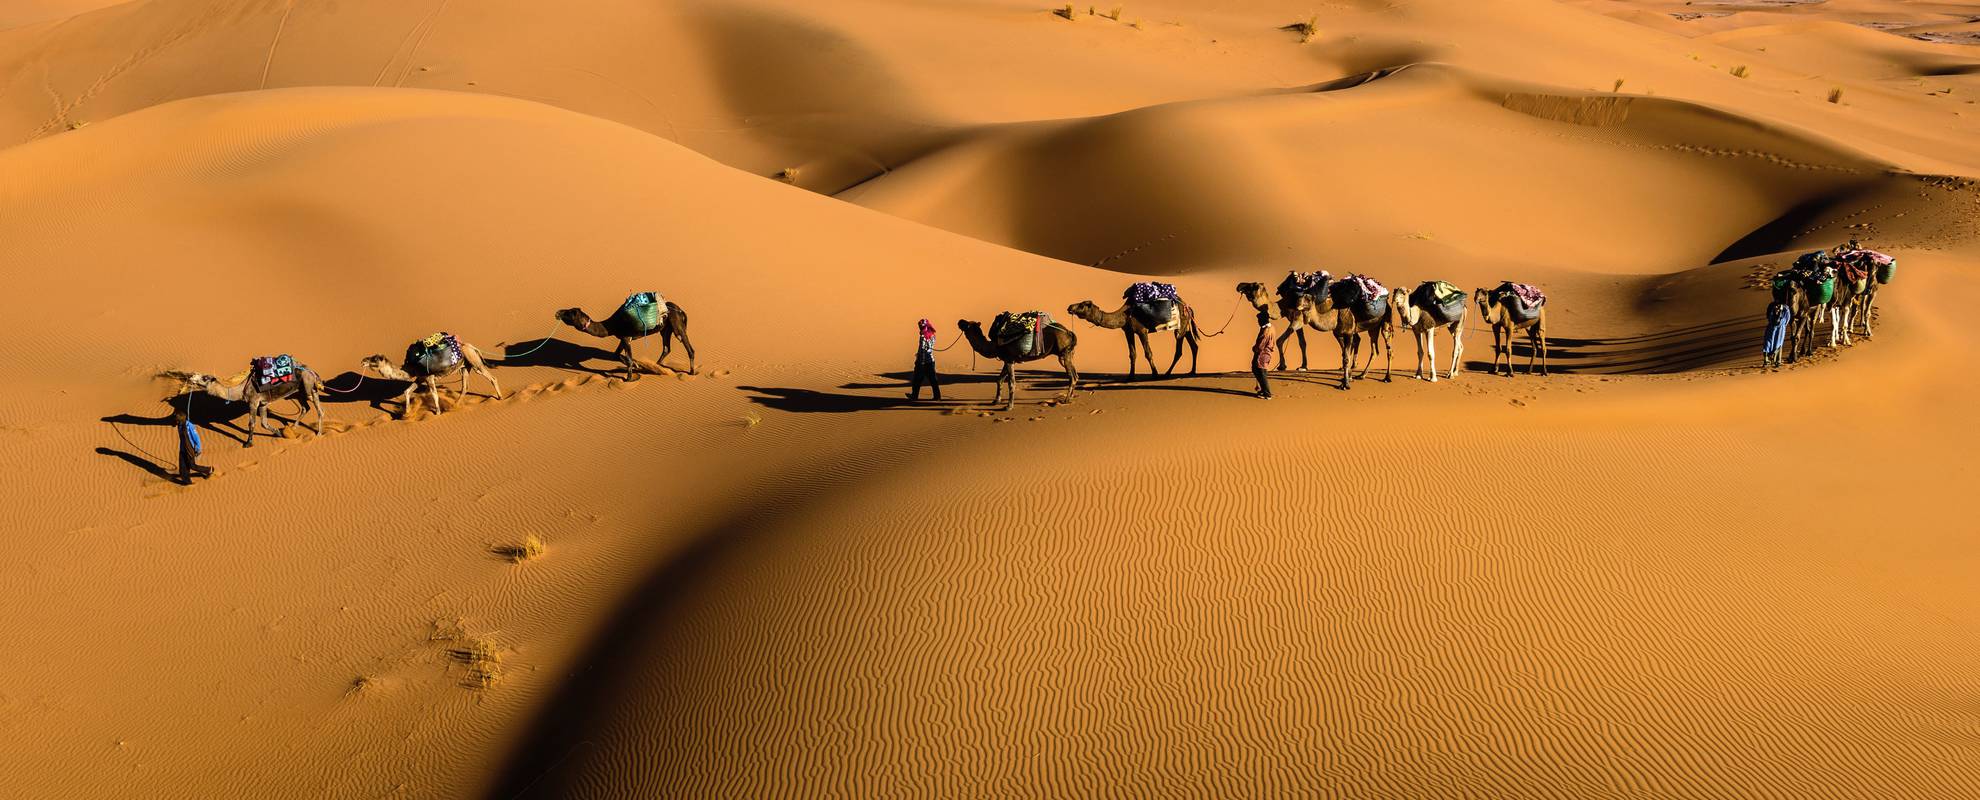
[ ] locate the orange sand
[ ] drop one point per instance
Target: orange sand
(1658, 573)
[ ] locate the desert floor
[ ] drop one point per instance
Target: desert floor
(1660, 571)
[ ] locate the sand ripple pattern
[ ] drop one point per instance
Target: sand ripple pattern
(1140, 619)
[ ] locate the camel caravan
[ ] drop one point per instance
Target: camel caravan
(1837, 285)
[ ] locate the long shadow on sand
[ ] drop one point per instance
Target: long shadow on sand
(620, 654)
(159, 443)
(1702, 346)
(558, 354)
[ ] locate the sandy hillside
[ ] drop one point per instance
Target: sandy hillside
(1658, 572)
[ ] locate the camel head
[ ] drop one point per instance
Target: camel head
(376, 363)
(1483, 297)
(188, 380)
(1254, 293)
(574, 317)
(1084, 309)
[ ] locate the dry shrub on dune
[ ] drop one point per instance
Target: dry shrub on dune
(528, 549)
(1307, 28)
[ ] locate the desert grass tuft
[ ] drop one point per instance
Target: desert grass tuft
(1115, 14)
(1835, 95)
(787, 175)
(1618, 86)
(528, 549)
(1740, 71)
(1066, 13)
(1307, 29)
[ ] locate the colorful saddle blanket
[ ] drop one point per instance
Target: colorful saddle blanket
(1867, 262)
(1024, 329)
(271, 370)
(1150, 291)
(437, 354)
(1527, 299)
(645, 308)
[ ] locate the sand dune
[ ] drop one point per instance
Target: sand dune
(1658, 572)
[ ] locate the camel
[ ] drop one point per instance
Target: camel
(625, 328)
(1496, 307)
(1132, 328)
(1423, 324)
(1348, 329)
(1059, 341)
(1300, 311)
(1802, 311)
(417, 375)
(306, 388)
(1842, 310)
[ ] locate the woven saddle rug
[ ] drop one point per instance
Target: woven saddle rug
(647, 310)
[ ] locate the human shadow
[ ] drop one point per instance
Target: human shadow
(156, 469)
(812, 401)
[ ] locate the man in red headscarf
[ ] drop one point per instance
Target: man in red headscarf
(924, 364)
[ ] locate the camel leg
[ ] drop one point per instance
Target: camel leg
(1129, 336)
(1347, 358)
(624, 352)
(1372, 347)
(1178, 359)
(254, 421)
(433, 392)
(666, 343)
(1869, 303)
(1457, 349)
(1302, 349)
(1291, 329)
(1389, 356)
(483, 372)
(1147, 353)
(1010, 376)
(1426, 347)
(1194, 340)
(1072, 375)
(1538, 340)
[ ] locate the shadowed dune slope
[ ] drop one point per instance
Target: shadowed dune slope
(1346, 178)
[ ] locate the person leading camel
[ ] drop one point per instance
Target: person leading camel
(427, 361)
(1779, 314)
(189, 466)
(1262, 351)
(1303, 299)
(924, 365)
(267, 380)
(642, 314)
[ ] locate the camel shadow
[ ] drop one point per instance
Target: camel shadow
(214, 415)
(1704, 346)
(557, 354)
(357, 387)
